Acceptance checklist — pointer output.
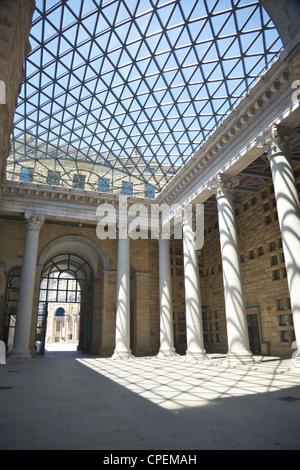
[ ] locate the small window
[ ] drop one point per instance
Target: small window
(268, 219)
(78, 181)
(276, 274)
(127, 188)
(180, 315)
(282, 320)
(149, 192)
(280, 304)
(272, 246)
(260, 251)
(274, 260)
(53, 177)
(27, 175)
(103, 185)
(252, 254)
(284, 336)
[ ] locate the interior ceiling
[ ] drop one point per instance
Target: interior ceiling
(135, 85)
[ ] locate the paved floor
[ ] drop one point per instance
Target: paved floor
(64, 400)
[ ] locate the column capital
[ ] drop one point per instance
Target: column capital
(33, 220)
(278, 139)
(224, 185)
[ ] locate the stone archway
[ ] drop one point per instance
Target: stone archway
(88, 250)
(77, 244)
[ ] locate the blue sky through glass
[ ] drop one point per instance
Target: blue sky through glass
(131, 84)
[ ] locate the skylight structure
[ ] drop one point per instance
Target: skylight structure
(119, 94)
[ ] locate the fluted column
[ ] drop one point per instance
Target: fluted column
(193, 308)
(278, 143)
(237, 330)
(166, 308)
(33, 223)
(122, 338)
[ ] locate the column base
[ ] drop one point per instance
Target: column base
(20, 354)
(239, 358)
(295, 362)
(197, 354)
(167, 353)
(122, 355)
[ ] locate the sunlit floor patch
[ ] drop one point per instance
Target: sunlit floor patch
(177, 384)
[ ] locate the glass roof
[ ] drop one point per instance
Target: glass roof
(127, 90)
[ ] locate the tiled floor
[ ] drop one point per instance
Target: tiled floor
(64, 400)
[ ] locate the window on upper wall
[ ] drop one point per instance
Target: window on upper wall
(280, 304)
(282, 320)
(149, 192)
(53, 177)
(260, 251)
(284, 336)
(78, 181)
(276, 274)
(127, 188)
(103, 185)
(27, 175)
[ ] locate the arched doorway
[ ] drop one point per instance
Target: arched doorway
(66, 279)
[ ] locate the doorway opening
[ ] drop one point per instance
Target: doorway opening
(65, 312)
(10, 307)
(253, 333)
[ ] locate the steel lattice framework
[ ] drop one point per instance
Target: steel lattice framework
(133, 86)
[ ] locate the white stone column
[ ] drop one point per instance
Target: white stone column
(166, 305)
(122, 338)
(33, 223)
(288, 209)
(193, 308)
(237, 330)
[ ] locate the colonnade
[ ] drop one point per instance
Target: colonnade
(288, 208)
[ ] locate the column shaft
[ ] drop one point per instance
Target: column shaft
(166, 308)
(288, 209)
(194, 328)
(122, 338)
(26, 293)
(237, 331)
